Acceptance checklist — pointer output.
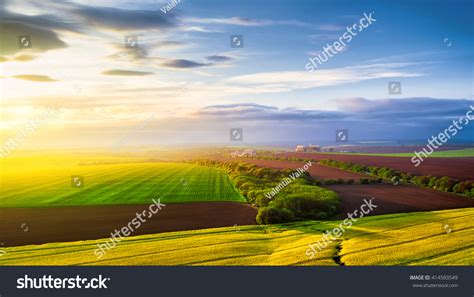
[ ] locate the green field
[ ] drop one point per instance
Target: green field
(125, 183)
(400, 239)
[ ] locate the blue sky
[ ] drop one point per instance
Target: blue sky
(185, 73)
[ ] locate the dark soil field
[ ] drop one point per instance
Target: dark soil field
(388, 197)
(460, 168)
(392, 149)
(23, 226)
(317, 171)
(397, 199)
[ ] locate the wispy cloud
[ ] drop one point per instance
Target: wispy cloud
(121, 72)
(325, 77)
(244, 21)
(34, 77)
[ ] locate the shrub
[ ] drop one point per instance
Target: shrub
(445, 184)
(461, 187)
(364, 181)
(273, 215)
(322, 215)
(262, 200)
(350, 181)
(470, 193)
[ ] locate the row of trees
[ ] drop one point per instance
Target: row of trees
(444, 183)
(272, 156)
(362, 181)
(299, 199)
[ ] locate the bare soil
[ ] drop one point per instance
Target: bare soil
(397, 198)
(459, 168)
(23, 226)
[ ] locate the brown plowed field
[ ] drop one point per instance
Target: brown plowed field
(396, 199)
(317, 171)
(59, 224)
(460, 168)
(389, 198)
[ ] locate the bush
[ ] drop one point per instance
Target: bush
(364, 181)
(350, 181)
(461, 187)
(470, 193)
(273, 215)
(445, 184)
(262, 200)
(329, 182)
(322, 215)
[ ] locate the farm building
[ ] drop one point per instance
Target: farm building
(244, 153)
(307, 149)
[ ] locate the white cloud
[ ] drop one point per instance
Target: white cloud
(324, 77)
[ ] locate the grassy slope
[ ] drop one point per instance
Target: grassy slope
(401, 239)
(131, 183)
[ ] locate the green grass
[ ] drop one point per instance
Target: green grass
(126, 183)
(399, 239)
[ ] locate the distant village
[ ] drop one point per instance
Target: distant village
(307, 149)
(244, 153)
(312, 148)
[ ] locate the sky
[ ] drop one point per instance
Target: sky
(184, 82)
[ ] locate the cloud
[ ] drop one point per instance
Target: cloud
(33, 77)
(120, 72)
(18, 58)
(218, 58)
(183, 64)
(407, 109)
(391, 112)
(142, 52)
(24, 58)
(289, 80)
(41, 39)
(186, 64)
(257, 112)
(85, 19)
(122, 20)
(331, 27)
(45, 21)
(405, 119)
(243, 21)
(169, 44)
